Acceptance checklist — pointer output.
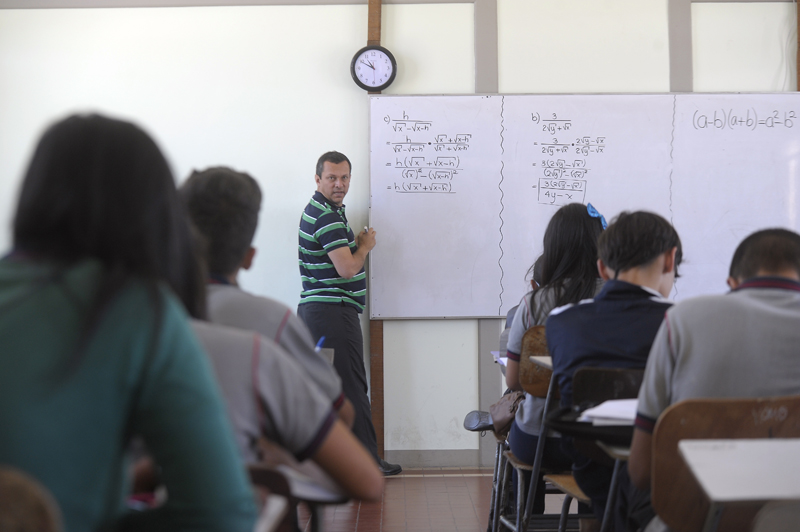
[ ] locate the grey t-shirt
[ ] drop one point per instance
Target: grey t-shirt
(534, 308)
(229, 305)
(742, 344)
(266, 392)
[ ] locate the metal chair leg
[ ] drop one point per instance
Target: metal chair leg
(562, 521)
(612, 491)
(502, 492)
(499, 463)
(537, 464)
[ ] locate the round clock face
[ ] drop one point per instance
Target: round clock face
(373, 68)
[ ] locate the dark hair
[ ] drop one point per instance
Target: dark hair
(535, 271)
(636, 239)
(332, 157)
(570, 253)
(768, 250)
(100, 188)
(223, 204)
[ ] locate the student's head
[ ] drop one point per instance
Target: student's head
(223, 204)
(100, 188)
(333, 176)
(770, 252)
(570, 253)
(640, 240)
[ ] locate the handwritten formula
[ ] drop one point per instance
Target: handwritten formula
(424, 160)
(563, 168)
(746, 119)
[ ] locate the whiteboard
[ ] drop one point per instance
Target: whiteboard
(462, 187)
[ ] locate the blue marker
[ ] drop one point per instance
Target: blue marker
(319, 344)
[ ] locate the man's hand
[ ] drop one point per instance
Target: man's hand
(366, 239)
(348, 264)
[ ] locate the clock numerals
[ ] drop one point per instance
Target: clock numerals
(373, 68)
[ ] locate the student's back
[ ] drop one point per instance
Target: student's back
(64, 423)
(97, 348)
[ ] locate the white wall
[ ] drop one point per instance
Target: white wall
(267, 89)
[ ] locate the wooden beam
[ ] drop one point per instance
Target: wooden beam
(374, 23)
(376, 379)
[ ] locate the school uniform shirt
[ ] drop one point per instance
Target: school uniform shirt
(229, 305)
(267, 393)
(614, 330)
(533, 310)
(741, 344)
(67, 414)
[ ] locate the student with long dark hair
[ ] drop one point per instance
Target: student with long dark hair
(568, 274)
(96, 345)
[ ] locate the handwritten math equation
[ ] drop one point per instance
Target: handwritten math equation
(744, 119)
(566, 154)
(424, 160)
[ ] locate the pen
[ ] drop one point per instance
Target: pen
(366, 229)
(319, 344)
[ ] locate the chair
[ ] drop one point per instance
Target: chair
(275, 484)
(592, 386)
(304, 483)
(25, 504)
(537, 381)
(676, 497)
(778, 517)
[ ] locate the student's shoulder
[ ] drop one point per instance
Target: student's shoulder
(230, 341)
(220, 295)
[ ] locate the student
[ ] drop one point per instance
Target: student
(223, 204)
(741, 344)
(96, 346)
(269, 395)
(568, 275)
(638, 258)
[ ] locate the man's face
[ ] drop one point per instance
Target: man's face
(334, 181)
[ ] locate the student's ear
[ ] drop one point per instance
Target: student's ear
(733, 283)
(669, 260)
(247, 261)
(605, 272)
(317, 179)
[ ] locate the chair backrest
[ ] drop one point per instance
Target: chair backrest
(595, 385)
(25, 504)
(676, 496)
(534, 379)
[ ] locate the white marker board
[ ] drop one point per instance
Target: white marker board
(462, 187)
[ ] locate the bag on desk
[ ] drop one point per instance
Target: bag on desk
(504, 410)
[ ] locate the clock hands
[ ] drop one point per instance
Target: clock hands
(368, 64)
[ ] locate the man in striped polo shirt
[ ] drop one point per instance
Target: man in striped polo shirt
(334, 292)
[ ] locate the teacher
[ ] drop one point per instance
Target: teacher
(335, 288)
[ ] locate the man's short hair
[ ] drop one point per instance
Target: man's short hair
(223, 204)
(636, 239)
(769, 251)
(333, 157)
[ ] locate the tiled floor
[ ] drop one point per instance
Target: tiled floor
(422, 500)
(419, 500)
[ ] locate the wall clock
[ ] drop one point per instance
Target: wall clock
(373, 68)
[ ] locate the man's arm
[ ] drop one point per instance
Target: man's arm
(347, 263)
(640, 461)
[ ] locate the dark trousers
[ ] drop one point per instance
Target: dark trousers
(340, 326)
(523, 445)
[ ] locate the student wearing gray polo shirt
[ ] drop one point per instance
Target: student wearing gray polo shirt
(741, 344)
(224, 204)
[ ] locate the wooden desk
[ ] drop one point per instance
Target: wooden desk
(741, 471)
